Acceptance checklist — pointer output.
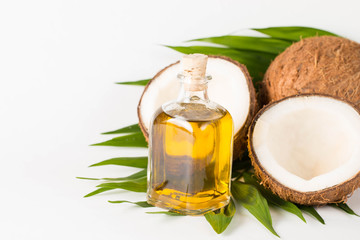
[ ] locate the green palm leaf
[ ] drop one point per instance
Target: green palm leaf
(311, 210)
(142, 204)
(138, 162)
(221, 218)
(138, 185)
(251, 199)
(137, 175)
(138, 83)
(169, 213)
(128, 129)
(272, 198)
(97, 191)
(344, 207)
(293, 33)
(131, 140)
(261, 44)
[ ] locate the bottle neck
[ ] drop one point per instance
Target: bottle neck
(188, 95)
(193, 90)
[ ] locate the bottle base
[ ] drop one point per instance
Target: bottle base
(189, 208)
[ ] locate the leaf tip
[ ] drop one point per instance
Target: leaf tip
(274, 232)
(171, 47)
(194, 40)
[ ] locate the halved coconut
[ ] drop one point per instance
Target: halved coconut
(231, 87)
(306, 148)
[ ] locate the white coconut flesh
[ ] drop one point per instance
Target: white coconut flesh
(228, 87)
(308, 143)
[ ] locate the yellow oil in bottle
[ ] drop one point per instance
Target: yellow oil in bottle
(190, 158)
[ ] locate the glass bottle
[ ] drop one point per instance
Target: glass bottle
(190, 147)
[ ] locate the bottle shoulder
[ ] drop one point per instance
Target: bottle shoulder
(190, 120)
(194, 111)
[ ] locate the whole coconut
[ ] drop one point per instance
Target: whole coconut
(328, 65)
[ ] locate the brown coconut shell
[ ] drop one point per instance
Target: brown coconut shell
(240, 137)
(335, 194)
(326, 64)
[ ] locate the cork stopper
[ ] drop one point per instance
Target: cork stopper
(194, 66)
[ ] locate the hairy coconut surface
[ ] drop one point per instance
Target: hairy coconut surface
(326, 64)
(231, 87)
(306, 148)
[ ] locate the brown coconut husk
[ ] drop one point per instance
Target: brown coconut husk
(335, 194)
(326, 64)
(240, 137)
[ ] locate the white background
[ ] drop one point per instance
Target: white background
(58, 64)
